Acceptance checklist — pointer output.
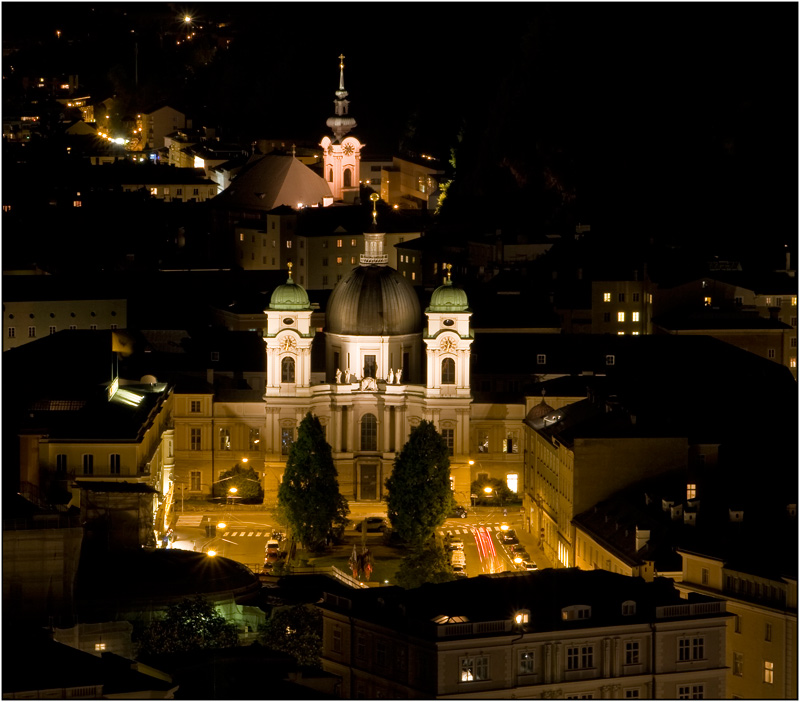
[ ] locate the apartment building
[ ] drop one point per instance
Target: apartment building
(563, 633)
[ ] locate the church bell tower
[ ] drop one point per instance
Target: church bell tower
(342, 154)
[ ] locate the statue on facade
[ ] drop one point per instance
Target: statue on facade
(347, 376)
(399, 373)
(338, 375)
(390, 379)
(368, 384)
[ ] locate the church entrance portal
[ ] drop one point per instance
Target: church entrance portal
(369, 482)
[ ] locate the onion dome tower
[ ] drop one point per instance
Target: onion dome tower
(288, 338)
(342, 154)
(373, 318)
(538, 412)
(448, 339)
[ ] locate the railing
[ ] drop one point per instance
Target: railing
(689, 610)
(470, 628)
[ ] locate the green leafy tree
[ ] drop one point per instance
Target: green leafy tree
(308, 496)
(295, 630)
(244, 479)
(500, 493)
(189, 625)
(418, 490)
(429, 565)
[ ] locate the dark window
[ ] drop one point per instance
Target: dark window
(370, 367)
(287, 370)
(114, 464)
(448, 371)
(369, 433)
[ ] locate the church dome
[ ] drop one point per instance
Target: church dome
(448, 298)
(371, 301)
(289, 296)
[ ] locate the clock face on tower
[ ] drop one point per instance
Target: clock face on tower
(348, 149)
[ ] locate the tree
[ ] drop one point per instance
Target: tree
(500, 492)
(295, 630)
(309, 496)
(430, 565)
(189, 625)
(244, 479)
(419, 496)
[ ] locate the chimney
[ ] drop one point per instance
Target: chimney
(736, 515)
(210, 376)
(642, 537)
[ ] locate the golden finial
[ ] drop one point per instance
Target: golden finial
(341, 60)
(449, 266)
(290, 271)
(374, 197)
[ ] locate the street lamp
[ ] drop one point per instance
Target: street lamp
(211, 554)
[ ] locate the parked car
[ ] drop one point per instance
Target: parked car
(507, 540)
(460, 571)
(519, 550)
(454, 544)
(458, 558)
(458, 512)
(529, 565)
(373, 524)
(272, 551)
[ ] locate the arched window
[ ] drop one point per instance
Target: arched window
(448, 371)
(369, 433)
(348, 178)
(287, 370)
(330, 174)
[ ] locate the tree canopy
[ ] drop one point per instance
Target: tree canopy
(189, 625)
(429, 565)
(418, 490)
(309, 495)
(296, 631)
(244, 479)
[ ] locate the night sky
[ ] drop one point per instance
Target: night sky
(675, 117)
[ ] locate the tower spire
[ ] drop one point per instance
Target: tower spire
(341, 123)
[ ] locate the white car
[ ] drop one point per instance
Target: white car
(458, 558)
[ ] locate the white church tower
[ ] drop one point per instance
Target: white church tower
(342, 155)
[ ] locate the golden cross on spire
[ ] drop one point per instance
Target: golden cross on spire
(341, 60)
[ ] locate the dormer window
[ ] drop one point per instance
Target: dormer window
(576, 612)
(628, 608)
(522, 617)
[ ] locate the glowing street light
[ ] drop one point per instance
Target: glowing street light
(221, 525)
(211, 554)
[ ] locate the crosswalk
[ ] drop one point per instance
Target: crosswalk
(261, 533)
(467, 529)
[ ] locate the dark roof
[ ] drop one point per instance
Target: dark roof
(712, 320)
(37, 662)
(111, 486)
(498, 597)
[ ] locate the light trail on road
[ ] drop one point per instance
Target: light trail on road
(490, 561)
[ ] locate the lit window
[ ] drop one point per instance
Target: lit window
(691, 491)
(474, 668)
(154, 191)
(620, 316)
(338, 260)
(241, 236)
(769, 672)
(576, 612)
(338, 243)
(413, 275)
(99, 647)
(255, 438)
(768, 301)
(224, 439)
(353, 242)
(650, 298)
(793, 362)
(606, 297)
(794, 300)
(352, 260)
(512, 481)
(289, 244)
(77, 203)
(634, 316)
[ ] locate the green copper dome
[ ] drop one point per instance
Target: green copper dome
(289, 296)
(448, 298)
